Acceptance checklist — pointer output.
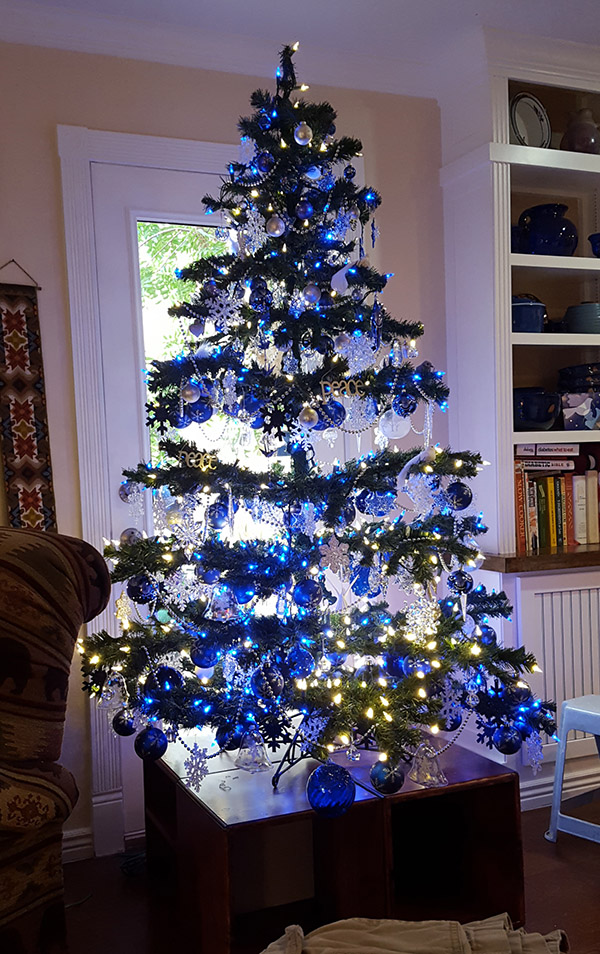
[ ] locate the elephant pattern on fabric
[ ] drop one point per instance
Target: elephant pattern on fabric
(15, 664)
(56, 680)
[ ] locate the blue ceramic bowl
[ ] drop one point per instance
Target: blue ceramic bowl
(594, 240)
(528, 316)
(535, 409)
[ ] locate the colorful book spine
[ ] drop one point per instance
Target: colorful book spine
(551, 497)
(579, 508)
(533, 534)
(559, 512)
(569, 511)
(520, 507)
(591, 489)
(542, 506)
(550, 465)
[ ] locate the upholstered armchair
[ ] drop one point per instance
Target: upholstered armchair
(49, 586)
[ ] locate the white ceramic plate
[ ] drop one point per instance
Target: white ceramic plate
(529, 121)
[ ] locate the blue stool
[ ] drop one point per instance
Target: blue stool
(583, 714)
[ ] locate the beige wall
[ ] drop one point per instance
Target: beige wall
(42, 88)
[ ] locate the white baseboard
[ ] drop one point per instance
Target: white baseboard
(77, 845)
(537, 792)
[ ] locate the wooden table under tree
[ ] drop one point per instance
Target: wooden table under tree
(248, 860)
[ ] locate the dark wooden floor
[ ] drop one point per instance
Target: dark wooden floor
(122, 911)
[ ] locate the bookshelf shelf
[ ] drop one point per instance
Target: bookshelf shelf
(556, 437)
(563, 558)
(556, 263)
(554, 340)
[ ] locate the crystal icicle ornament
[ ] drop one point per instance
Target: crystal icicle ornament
(535, 752)
(114, 693)
(426, 769)
(254, 231)
(252, 756)
(223, 604)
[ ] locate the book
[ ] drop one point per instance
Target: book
(558, 509)
(533, 536)
(550, 464)
(569, 511)
(591, 493)
(579, 508)
(557, 450)
(542, 508)
(520, 507)
(551, 497)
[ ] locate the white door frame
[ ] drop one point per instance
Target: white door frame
(78, 148)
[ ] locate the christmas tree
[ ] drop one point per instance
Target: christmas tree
(259, 605)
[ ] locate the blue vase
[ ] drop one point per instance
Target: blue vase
(545, 231)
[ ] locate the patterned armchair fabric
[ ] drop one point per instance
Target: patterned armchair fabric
(49, 586)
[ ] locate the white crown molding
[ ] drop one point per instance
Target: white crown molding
(41, 25)
(542, 60)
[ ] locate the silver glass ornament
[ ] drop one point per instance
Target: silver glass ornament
(341, 342)
(190, 392)
(130, 535)
(312, 293)
(393, 426)
(275, 226)
(426, 769)
(303, 134)
(308, 417)
(252, 756)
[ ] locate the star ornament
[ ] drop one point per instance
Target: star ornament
(335, 555)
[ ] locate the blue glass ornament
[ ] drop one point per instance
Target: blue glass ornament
(166, 678)
(264, 121)
(378, 504)
(386, 778)
(304, 209)
(200, 411)
(150, 744)
(217, 515)
(289, 184)
(307, 593)
(203, 656)
(292, 516)
(211, 576)
(330, 789)
(371, 674)
(460, 582)
(404, 404)
(519, 695)
(251, 404)
(488, 635)
(123, 723)
(459, 495)
(324, 344)
(264, 162)
(507, 740)
(229, 737)
(141, 589)
(266, 681)
(349, 173)
(394, 665)
(180, 420)
(331, 414)
(348, 515)
(257, 422)
(414, 664)
(243, 592)
(448, 608)
(331, 130)
(313, 172)
(300, 662)
(361, 584)
(453, 720)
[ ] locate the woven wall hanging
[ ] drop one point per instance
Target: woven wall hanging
(23, 419)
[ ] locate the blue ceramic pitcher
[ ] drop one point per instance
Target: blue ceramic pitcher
(545, 231)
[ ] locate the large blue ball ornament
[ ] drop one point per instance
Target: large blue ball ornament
(330, 790)
(394, 665)
(488, 635)
(141, 589)
(251, 404)
(266, 681)
(459, 495)
(415, 664)
(203, 656)
(123, 723)
(307, 593)
(331, 414)
(150, 744)
(166, 678)
(211, 576)
(265, 162)
(229, 737)
(460, 582)
(304, 209)
(180, 420)
(404, 405)
(200, 411)
(243, 592)
(507, 740)
(348, 515)
(453, 720)
(217, 515)
(300, 662)
(386, 778)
